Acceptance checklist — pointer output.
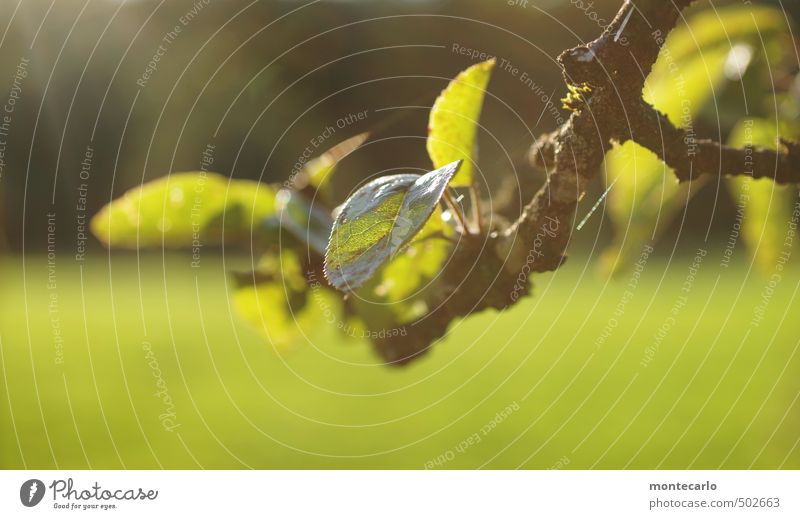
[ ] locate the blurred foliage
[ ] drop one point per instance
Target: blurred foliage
(765, 206)
(193, 210)
(307, 220)
(278, 301)
(395, 220)
(318, 172)
(185, 210)
(704, 64)
(711, 72)
(259, 81)
(268, 82)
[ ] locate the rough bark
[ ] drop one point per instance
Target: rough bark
(615, 67)
(494, 272)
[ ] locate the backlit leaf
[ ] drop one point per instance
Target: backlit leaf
(723, 25)
(764, 209)
(453, 125)
(419, 262)
(181, 209)
(378, 220)
(318, 172)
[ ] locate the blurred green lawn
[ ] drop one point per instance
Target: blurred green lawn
(717, 393)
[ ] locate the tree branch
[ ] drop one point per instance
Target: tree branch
(626, 51)
(495, 273)
(690, 157)
(616, 66)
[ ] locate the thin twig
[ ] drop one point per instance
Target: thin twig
(457, 214)
(477, 210)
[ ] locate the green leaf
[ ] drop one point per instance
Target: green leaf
(281, 304)
(765, 206)
(181, 209)
(399, 292)
(646, 198)
(376, 221)
(318, 172)
(724, 26)
(417, 263)
(305, 222)
(682, 96)
(453, 126)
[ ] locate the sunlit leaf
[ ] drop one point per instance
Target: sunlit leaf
(419, 262)
(318, 171)
(453, 125)
(723, 25)
(182, 209)
(378, 220)
(398, 293)
(682, 94)
(764, 209)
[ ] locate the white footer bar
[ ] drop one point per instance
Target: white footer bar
(409, 494)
